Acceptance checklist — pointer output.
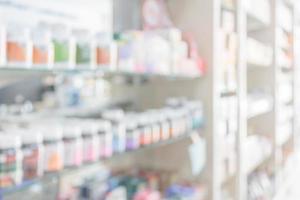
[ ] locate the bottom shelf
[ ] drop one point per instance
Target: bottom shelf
(54, 177)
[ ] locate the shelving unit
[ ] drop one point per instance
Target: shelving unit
(260, 97)
(248, 92)
(267, 79)
(285, 96)
(162, 87)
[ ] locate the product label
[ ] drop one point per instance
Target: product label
(61, 52)
(146, 136)
(53, 158)
(89, 150)
(103, 56)
(83, 53)
(16, 52)
(132, 139)
(72, 153)
(8, 168)
(119, 139)
(30, 162)
(40, 54)
(108, 144)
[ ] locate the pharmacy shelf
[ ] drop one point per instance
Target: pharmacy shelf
(89, 110)
(260, 108)
(156, 145)
(262, 160)
(260, 112)
(44, 69)
(253, 66)
(30, 185)
(209, 47)
(100, 71)
(51, 176)
(290, 182)
(255, 23)
(261, 71)
(283, 138)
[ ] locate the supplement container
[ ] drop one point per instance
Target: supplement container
(33, 150)
(196, 110)
(164, 125)
(72, 145)
(189, 118)
(125, 52)
(103, 47)
(42, 47)
(138, 51)
(155, 128)
(90, 141)
(181, 121)
(53, 147)
(145, 131)
(157, 54)
(64, 47)
(18, 46)
(105, 133)
(10, 160)
(118, 129)
(132, 133)
(172, 116)
(83, 48)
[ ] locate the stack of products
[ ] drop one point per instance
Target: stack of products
(259, 102)
(258, 54)
(57, 46)
(261, 186)
(158, 52)
(140, 185)
(261, 150)
(51, 145)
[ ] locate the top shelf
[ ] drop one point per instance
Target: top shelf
(256, 24)
(258, 15)
(99, 71)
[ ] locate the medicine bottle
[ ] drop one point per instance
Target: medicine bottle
(33, 150)
(53, 147)
(72, 145)
(105, 133)
(10, 160)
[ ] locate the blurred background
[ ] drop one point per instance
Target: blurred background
(149, 99)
